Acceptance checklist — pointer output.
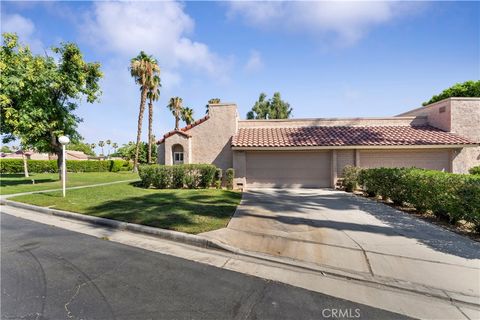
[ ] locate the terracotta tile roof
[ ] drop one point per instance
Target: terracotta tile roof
(183, 130)
(345, 136)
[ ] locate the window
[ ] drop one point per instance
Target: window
(178, 157)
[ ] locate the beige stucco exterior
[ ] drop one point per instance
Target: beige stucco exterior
(210, 142)
(460, 116)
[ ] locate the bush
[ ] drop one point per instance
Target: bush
(350, 178)
(45, 166)
(147, 175)
(207, 175)
(191, 176)
(475, 170)
(447, 195)
(230, 175)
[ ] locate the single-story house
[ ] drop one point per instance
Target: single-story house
(33, 155)
(313, 152)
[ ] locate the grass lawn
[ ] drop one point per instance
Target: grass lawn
(16, 183)
(191, 211)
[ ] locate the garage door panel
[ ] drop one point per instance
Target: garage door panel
(288, 169)
(426, 159)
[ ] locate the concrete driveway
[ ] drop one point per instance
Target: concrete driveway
(350, 235)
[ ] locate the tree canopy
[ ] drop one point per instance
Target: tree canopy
(274, 108)
(127, 152)
(465, 89)
(82, 146)
(40, 93)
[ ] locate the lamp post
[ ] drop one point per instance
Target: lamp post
(64, 140)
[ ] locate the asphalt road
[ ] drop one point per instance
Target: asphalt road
(51, 273)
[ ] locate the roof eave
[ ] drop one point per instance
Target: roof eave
(293, 148)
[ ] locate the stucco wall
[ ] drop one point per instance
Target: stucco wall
(240, 166)
(182, 140)
(291, 123)
(161, 153)
(466, 122)
(460, 116)
(344, 158)
(210, 141)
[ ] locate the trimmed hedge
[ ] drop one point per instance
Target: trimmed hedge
(43, 166)
(475, 170)
(191, 176)
(350, 178)
(447, 195)
(230, 175)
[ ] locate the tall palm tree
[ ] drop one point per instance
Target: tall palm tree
(176, 105)
(153, 94)
(142, 68)
(108, 142)
(187, 115)
(211, 101)
(101, 144)
(115, 146)
(93, 146)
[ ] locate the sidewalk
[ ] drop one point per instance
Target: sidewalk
(401, 301)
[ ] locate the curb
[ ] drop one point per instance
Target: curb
(215, 244)
(162, 233)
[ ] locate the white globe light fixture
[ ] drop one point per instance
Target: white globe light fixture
(64, 140)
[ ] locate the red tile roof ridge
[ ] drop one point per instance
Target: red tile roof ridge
(183, 130)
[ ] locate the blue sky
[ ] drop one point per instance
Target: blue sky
(347, 59)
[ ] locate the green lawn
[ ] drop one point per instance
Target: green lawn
(191, 211)
(17, 183)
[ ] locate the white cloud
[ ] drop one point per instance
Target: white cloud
(158, 28)
(254, 62)
(24, 28)
(348, 21)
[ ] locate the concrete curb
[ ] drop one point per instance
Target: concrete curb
(203, 242)
(118, 225)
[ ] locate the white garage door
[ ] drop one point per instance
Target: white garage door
(288, 169)
(426, 159)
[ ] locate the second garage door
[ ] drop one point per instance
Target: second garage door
(288, 169)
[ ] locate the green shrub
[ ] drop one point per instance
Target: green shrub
(447, 195)
(146, 174)
(218, 184)
(207, 175)
(475, 170)
(161, 176)
(191, 176)
(230, 175)
(178, 176)
(350, 178)
(43, 166)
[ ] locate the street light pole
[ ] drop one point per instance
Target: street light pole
(64, 140)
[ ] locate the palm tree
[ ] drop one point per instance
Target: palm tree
(108, 142)
(153, 94)
(115, 146)
(187, 115)
(142, 68)
(211, 101)
(93, 146)
(175, 105)
(101, 143)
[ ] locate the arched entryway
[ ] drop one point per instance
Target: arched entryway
(177, 154)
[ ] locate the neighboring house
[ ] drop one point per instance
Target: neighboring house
(313, 152)
(32, 155)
